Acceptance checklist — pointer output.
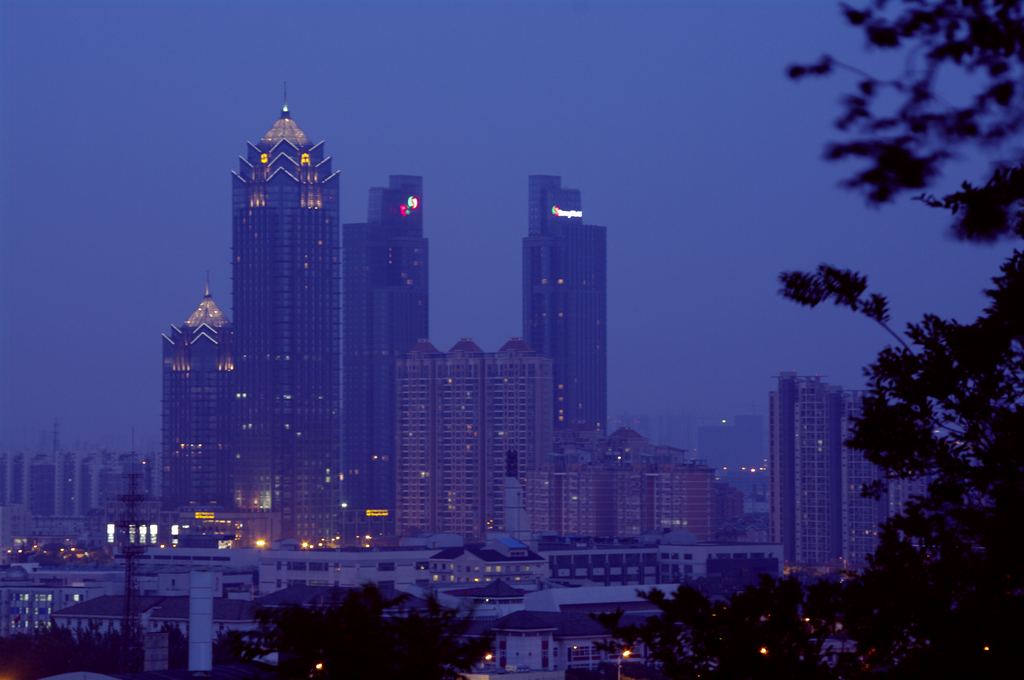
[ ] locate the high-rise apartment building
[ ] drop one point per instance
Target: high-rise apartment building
(198, 398)
(465, 418)
(805, 444)
(384, 313)
(565, 301)
(818, 508)
(286, 309)
(861, 515)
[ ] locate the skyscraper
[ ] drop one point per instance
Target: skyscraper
(565, 301)
(465, 419)
(384, 313)
(286, 306)
(198, 398)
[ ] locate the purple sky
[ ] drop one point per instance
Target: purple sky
(120, 123)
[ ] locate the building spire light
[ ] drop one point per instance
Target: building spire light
(284, 108)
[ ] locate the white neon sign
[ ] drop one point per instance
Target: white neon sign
(558, 212)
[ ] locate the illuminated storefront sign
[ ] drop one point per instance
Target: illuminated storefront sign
(205, 515)
(376, 513)
(558, 212)
(411, 205)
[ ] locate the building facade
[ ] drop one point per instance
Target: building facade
(565, 301)
(818, 509)
(804, 462)
(286, 308)
(198, 397)
(384, 313)
(465, 418)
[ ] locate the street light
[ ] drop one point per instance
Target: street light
(626, 653)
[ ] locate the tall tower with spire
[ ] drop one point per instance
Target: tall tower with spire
(286, 307)
(197, 403)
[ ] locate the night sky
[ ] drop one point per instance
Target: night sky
(120, 124)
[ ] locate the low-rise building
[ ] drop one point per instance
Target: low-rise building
(504, 558)
(29, 594)
(156, 613)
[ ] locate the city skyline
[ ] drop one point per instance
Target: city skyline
(678, 242)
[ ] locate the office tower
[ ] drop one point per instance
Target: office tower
(384, 313)
(804, 466)
(286, 306)
(198, 397)
(465, 418)
(565, 301)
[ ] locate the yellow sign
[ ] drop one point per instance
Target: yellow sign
(205, 515)
(376, 513)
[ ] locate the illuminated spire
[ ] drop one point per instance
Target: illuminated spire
(207, 312)
(285, 128)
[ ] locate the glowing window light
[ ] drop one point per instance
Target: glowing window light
(264, 158)
(558, 212)
(305, 159)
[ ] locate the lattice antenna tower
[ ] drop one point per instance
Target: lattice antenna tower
(129, 525)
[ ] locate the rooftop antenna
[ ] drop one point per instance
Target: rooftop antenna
(206, 290)
(284, 109)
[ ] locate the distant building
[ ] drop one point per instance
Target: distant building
(13, 477)
(42, 497)
(464, 417)
(384, 312)
(861, 516)
(818, 510)
(805, 465)
(565, 301)
(198, 397)
(623, 486)
(29, 596)
(156, 613)
(286, 308)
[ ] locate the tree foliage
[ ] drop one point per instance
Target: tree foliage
(902, 128)
(55, 650)
(777, 629)
(365, 634)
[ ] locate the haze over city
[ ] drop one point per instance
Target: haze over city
(121, 123)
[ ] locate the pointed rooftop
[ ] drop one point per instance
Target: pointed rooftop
(424, 346)
(284, 128)
(207, 313)
(466, 345)
(515, 345)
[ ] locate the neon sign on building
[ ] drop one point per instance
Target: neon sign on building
(410, 206)
(558, 212)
